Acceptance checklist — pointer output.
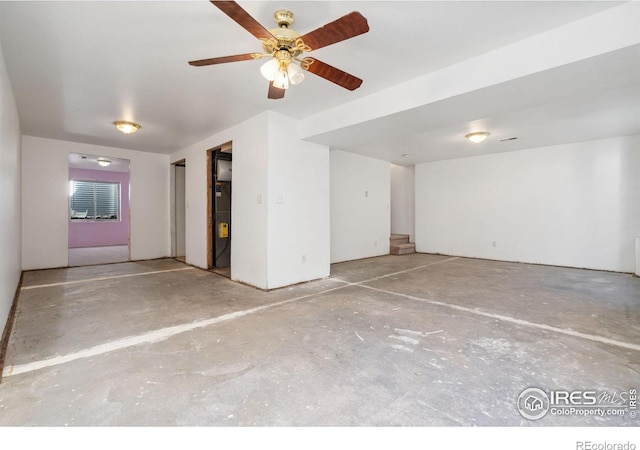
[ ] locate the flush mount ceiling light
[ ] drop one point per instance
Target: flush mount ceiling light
(104, 162)
(126, 127)
(477, 137)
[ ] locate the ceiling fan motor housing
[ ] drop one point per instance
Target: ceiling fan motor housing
(283, 17)
(285, 38)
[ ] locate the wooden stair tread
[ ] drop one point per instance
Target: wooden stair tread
(397, 239)
(405, 245)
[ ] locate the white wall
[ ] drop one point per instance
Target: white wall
(403, 200)
(279, 203)
(299, 214)
(571, 205)
(360, 214)
(249, 202)
(45, 169)
(249, 216)
(45, 203)
(10, 217)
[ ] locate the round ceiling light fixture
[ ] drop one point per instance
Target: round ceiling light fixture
(104, 162)
(126, 127)
(477, 137)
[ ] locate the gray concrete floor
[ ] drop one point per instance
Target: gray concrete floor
(415, 340)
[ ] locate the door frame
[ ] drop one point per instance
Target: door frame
(226, 147)
(173, 205)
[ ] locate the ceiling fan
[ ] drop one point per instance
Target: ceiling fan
(285, 46)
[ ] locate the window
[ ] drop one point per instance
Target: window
(94, 200)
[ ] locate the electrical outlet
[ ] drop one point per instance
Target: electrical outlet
(304, 258)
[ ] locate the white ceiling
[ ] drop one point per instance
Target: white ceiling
(90, 162)
(75, 67)
(595, 98)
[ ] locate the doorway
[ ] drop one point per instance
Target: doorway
(98, 210)
(219, 182)
(179, 241)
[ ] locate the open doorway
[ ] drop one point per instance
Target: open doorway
(219, 209)
(179, 246)
(98, 210)
(402, 190)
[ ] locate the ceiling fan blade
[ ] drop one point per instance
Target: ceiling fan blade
(332, 74)
(226, 59)
(353, 24)
(274, 92)
(243, 18)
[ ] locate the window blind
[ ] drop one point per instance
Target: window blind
(94, 200)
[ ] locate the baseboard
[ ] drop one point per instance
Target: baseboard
(4, 344)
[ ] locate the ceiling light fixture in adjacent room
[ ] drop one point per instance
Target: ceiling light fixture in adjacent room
(126, 127)
(104, 162)
(477, 137)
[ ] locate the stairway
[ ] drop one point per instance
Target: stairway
(399, 245)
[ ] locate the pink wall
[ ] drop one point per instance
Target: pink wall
(97, 234)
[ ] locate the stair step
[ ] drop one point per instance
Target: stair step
(397, 239)
(403, 249)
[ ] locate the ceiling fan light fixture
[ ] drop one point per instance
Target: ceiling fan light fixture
(126, 127)
(281, 80)
(295, 73)
(269, 69)
(477, 137)
(286, 45)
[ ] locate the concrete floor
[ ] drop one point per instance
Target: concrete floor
(415, 340)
